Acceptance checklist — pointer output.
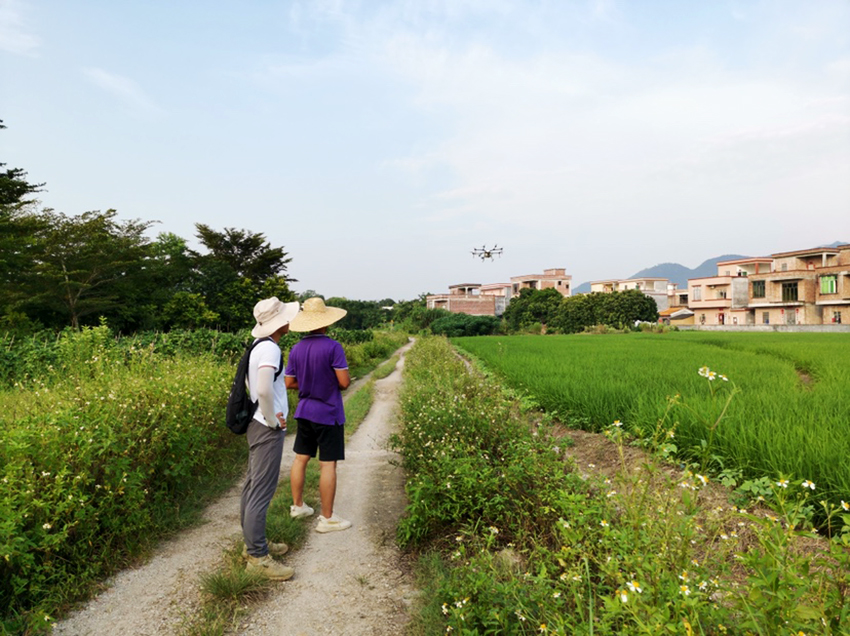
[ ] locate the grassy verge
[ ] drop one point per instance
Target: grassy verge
(514, 540)
(98, 460)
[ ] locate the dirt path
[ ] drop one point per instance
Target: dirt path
(345, 583)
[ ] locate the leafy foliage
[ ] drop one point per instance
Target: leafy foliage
(464, 325)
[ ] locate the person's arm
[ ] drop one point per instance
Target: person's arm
(343, 378)
(265, 397)
(290, 382)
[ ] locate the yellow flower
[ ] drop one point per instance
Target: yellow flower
(808, 484)
(845, 505)
(782, 483)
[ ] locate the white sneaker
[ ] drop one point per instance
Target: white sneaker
(333, 524)
(300, 511)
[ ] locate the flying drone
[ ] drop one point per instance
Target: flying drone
(483, 253)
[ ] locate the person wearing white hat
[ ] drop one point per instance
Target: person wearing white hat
(265, 435)
(317, 368)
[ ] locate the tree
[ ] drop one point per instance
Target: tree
(239, 269)
(14, 187)
(248, 254)
(82, 263)
(18, 227)
(531, 307)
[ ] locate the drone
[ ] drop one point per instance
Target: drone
(483, 253)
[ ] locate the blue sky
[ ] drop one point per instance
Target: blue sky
(379, 142)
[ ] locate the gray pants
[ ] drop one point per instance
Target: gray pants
(265, 449)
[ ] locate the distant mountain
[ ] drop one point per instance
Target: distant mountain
(674, 272)
(680, 274)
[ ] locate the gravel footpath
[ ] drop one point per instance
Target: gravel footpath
(345, 583)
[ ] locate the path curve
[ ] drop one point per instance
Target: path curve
(346, 583)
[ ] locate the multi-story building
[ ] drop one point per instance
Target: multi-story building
(491, 299)
(804, 287)
(465, 298)
(661, 290)
(555, 278)
(723, 299)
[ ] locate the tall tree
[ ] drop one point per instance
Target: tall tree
(239, 268)
(248, 254)
(83, 262)
(18, 227)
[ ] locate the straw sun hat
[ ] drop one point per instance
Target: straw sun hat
(315, 315)
(272, 314)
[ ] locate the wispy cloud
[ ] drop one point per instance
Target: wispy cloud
(123, 88)
(14, 35)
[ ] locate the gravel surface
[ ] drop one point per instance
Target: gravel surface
(350, 582)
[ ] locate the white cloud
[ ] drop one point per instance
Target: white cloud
(14, 36)
(125, 89)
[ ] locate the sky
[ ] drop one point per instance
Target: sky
(380, 142)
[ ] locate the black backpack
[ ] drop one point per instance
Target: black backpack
(240, 406)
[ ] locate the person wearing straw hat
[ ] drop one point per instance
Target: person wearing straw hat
(317, 368)
(265, 436)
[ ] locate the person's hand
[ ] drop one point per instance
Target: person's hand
(281, 420)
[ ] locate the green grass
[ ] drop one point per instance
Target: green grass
(790, 417)
(513, 540)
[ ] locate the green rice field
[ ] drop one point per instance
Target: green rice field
(789, 416)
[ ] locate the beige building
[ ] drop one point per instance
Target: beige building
(723, 299)
(804, 287)
(555, 278)
(661, 290)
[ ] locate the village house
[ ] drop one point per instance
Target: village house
(555, 278)
(803, 287)
(661, 290)
(492, 299)
(724, 299)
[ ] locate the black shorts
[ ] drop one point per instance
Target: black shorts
(328, 438)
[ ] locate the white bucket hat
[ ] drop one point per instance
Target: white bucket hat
(272, 314)
(315, 315)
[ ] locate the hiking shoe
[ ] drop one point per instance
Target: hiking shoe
(333, 524)
(275, 549)
(268, 566)
(300, 511)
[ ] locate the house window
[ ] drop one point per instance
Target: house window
(828, 284)
(697, 293)
(758, 289)
(836, 317)
(765, 317)
(721, 294)
(784, 267)
(789, 292)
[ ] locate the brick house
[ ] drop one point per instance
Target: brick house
(491, 299)
(465, 298)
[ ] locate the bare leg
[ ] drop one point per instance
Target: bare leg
(327, 487)
(297, 475)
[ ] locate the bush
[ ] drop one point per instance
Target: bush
(464, 325)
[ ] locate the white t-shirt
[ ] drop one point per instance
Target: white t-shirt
(267, 354)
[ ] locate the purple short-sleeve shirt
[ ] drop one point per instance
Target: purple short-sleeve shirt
(313, 362)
